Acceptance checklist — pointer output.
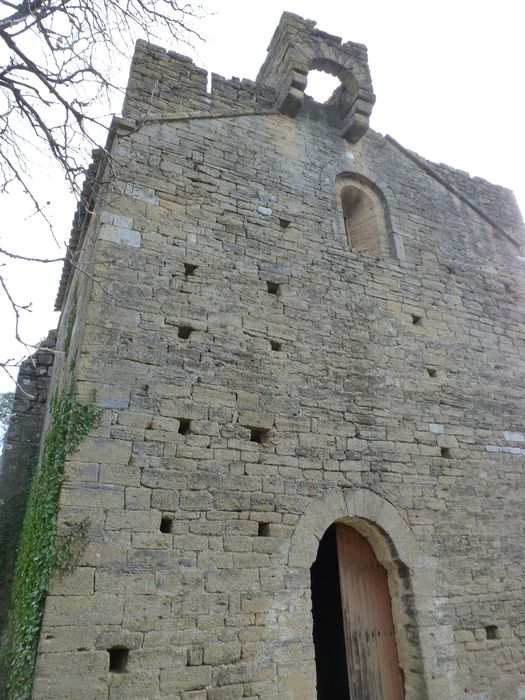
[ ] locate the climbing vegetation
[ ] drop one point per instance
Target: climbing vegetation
(40, 551)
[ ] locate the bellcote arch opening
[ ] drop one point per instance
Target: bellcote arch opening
(321, 85)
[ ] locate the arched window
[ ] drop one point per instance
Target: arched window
(364, 216)
(355, 648)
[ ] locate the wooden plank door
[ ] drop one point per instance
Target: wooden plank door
(371, 654)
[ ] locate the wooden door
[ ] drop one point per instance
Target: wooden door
(371, 654)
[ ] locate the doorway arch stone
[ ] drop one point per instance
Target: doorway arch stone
(410, 573)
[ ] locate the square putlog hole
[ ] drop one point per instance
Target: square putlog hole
(417, 320)
(263, 530)
(276, 345)
(258, 434)
(445, 452)
(184, 332)
(492, 632)
(432, 372)
(189, 269)
(184, 426)
(166, 524)
(118, 659)
(284, 223)
(273, 287)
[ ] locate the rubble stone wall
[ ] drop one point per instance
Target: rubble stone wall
(20, 451)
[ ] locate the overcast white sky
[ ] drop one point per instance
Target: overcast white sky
(448, 76)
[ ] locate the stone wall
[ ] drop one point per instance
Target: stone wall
(20, 451)
(261, 380)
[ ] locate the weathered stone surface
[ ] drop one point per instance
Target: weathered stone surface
(261, 378)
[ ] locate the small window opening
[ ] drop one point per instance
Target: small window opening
(263, 530)
(492, 632)
(432, 372)
(284, 223)
(166, 524)
(189, 270)
(184, 426)
(445, 452)
(118, 659)
(258, 434)
(184, 332)
(273, 287)
(364, 219)
(417, 320)
(276, 345)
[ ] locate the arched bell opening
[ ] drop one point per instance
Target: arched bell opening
(322, 85)
(347, 80)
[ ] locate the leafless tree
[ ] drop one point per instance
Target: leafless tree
(58, 60)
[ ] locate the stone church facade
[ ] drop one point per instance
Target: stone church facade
(295, 322)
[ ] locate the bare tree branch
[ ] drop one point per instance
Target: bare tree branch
(17, 308)
(28, 259)
(56, 79)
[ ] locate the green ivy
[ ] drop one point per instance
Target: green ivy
(40, 551)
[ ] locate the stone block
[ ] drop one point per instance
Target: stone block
(179, 680)
(81, 581)
(103, 451)
(226, 692)
(123, 582)
(83, 610)
(218, 653)
(135, 684)
(67, 638)
(97, 496)
(120, 235)
(86, 668)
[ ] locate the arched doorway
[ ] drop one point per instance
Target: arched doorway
(355, 648)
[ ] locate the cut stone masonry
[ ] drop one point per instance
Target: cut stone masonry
(265, 370)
